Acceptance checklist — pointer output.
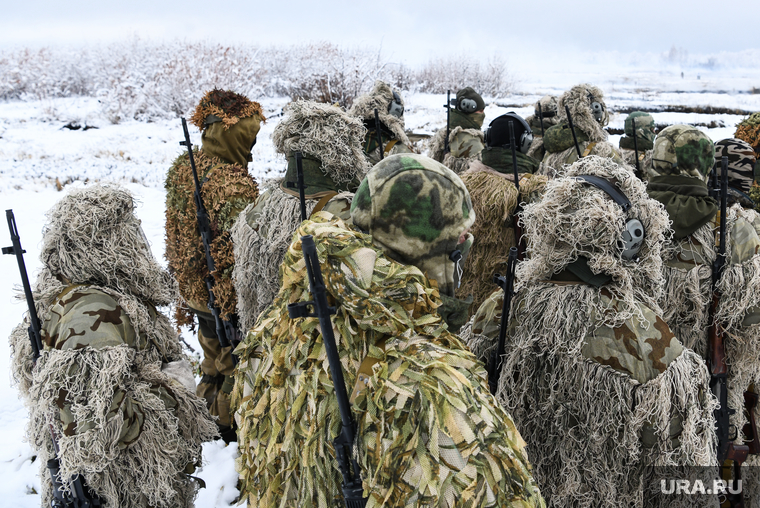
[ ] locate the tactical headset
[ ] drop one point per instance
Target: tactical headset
(633, 233)
(465, 105)
(396, 108)
(497, 133)
(597, 108)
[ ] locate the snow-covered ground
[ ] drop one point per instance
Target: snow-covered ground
(38, 155)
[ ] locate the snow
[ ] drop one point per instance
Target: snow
(37, 152)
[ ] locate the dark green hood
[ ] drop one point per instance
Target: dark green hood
(232, 145)
(465, 121)
(500, 159)
(686, 200)
(316, 183)
(643, 144)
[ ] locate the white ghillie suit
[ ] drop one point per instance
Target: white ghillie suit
(558, 140)
(333, 166)
(112, 381)
(597, 384)
(393, 135)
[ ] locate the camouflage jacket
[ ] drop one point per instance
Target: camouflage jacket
(645, 161)
(122, 391)
(465, 146)
(554, 161)
(429, 433)
(226, 190)
(391, 146)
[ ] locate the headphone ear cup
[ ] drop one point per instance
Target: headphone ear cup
(487, 136)
(525, 141)
(633, 238)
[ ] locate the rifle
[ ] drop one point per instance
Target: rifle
(379, 135)
(78, 495)
(506, 283)
(515, 225)
(448, 119)
(541, 118)
(352, 482)
(727, 450)
(572, 129)
(636, 149)
(226, 331)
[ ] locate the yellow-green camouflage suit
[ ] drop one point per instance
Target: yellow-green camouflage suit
(429, 433)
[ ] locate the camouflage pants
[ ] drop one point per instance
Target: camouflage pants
(216, 384)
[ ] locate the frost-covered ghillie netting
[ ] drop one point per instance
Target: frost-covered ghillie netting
(144, 80)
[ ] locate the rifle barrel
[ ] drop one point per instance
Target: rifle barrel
(572, 130)
(636, 148)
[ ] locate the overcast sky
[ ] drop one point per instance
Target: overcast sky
(409, 33)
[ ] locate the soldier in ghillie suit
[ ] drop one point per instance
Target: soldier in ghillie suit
(112, 382)
(589, 116)
(495, 198)
(390, 112)
(465, 137)
(429, 432)
(230, 123)
(683, 157)
(645, 134)
(334, 164)
(550, 118)
(596, 382)
(748, 131)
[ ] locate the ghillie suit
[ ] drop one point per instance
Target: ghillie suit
(550, 118)
(589, 130)
(112, 381)
(429, 433)
(333, 163)
(494, 198)
(683, 156)
(644, 143)
(465, 137)
(230, 123)
(390, 111)
(748, 131)
(596, 382)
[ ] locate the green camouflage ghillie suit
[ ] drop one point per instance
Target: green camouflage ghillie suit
(333, 163)
(494, 198)
(230, 123)
(465, 137)
(112, 381)
(392, 133)
(550, 118)
(596, 382)
(559, 145)
(644, 142)
(683, 156)
(429, 433)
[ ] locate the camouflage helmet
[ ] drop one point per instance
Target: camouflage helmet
(644, 125)
(682, 150)
(415, 209)
(93, 237)
(741, 162)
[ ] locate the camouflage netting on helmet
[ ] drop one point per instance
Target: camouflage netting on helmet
(591, 424)
(428, 434)
(749, 130)
(135, 475)
(260, 239)
(226, 190)
(683, 150)
(93, 237)
(494, 199)
(741, 163)
(227, 106)
(688, 294)
(415, 209)
(548, 112)
(327, 133)
(579, 99)
(575, 219)
(379, 98)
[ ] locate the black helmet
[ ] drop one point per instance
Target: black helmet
(497, 133)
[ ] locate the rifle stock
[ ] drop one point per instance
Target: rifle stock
(78, 494)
